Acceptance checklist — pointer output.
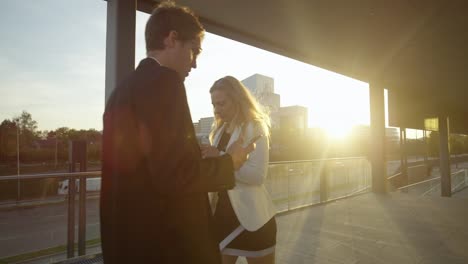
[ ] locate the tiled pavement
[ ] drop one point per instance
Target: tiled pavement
(376, 229)
(371, 228)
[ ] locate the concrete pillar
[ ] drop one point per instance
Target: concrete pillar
(377, 136)
(426, 149)
(324, 176)
(445, 180)
(120, 42)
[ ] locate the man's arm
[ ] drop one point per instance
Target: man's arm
(168, 141)
(219, 172)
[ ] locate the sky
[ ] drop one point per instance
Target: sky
(52, 64)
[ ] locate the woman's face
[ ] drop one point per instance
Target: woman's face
(223, 106)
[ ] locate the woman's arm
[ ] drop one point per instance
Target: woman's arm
(255, 169)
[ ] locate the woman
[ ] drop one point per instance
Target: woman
(244, 216)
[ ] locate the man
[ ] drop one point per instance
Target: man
(154, 206)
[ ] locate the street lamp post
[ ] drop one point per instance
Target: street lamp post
(56, 151)
(18, 163)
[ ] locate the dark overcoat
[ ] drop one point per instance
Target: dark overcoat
(154, 206)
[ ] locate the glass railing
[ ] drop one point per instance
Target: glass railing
(37, 214)
(301, 183)
(37, 218)
(458, 181)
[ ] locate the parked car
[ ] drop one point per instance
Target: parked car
(92, 185)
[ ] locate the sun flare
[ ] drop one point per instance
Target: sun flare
(338, 131)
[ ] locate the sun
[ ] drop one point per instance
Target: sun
(338, 131)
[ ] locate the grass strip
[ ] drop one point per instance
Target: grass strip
(45, 252)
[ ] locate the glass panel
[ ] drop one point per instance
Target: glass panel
(93, 186)
(296, 184)
(348, 177)
(277, 185)
(33, 217)
(431, 124)
(304, 184)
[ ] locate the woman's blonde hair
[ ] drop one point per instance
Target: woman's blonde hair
(246, 106)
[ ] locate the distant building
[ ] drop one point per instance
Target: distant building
(263, 88)
(260, 84)
(196, 127)
(204, 125)
(392, 134)
(293, 119)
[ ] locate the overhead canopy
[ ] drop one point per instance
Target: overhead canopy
(417, 49)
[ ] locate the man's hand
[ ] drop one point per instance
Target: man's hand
(239, 154)
(208, 151)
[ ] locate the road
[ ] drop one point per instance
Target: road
(31, 229)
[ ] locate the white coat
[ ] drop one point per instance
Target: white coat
(249, 198)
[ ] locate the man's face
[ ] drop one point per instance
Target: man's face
(185, 56)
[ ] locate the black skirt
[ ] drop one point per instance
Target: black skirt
(226, 222)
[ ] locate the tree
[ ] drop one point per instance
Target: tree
(26, 122)
(456, 144)
(61, 133)
(27, 129)
(433, 142)
(43, 134)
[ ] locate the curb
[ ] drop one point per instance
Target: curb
(37, 203)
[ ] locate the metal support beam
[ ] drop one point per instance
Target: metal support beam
(377, 135)
(120, 42)
(71, 203)
(71, 215)
(82, 203)
(445, 180)
(76, 154)
(404, 158)
(426, 149)
(426, 154)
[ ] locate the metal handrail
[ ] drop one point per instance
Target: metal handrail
(315, 160)
(91, 174)
(416, 166)
(394, 176)
(88, 174)
(418, 183)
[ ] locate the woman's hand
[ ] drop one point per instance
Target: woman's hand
(208, 151)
